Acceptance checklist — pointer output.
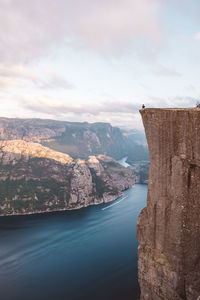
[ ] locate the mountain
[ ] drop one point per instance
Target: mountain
(168, 229)
(141, 170)
(34, 178)
(79, 140)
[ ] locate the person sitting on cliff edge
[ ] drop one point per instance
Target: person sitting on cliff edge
(198, 104)
(143, 106)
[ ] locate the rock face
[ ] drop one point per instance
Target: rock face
(168, 228)
(34, 179)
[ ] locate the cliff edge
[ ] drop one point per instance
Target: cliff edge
(168, 229)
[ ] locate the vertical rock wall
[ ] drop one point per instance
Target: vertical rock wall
(168, 228)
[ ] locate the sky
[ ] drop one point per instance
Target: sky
(98, 60)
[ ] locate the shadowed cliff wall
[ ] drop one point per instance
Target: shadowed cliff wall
(168, 228)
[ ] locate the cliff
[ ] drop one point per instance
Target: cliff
(168, 228)
(34, 179)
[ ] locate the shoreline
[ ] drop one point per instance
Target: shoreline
(62, 209)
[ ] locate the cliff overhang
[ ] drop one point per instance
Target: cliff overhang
(168, 228)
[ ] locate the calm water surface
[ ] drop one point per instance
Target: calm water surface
(88, 254)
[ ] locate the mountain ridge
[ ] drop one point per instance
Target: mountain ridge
(79, 140)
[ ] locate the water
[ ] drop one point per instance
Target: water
(123, 162)
(88, 254)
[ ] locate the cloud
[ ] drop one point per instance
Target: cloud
(56, 108)
(55, 81)
(177, 101)
(28, 29)
(161, 70)
(184, 101)
(190, 88)
(17, 71)
(20, 75)
(197, 36)
(51, 106)
(14, 76)
(115, 112)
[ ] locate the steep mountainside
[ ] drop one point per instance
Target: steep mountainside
(34, 178)
(137, 149)
(168, 228)
(79, 140)
(141, 170)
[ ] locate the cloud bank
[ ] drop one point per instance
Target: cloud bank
(29, 28)
(123, 114)
(37, 31)
(20, 76)
(51, 106)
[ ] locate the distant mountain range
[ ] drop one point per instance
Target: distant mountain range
(79, 140)
(48, 165)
